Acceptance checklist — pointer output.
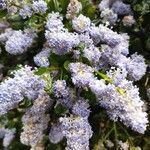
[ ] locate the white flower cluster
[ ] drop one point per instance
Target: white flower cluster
(73, 9)
(81, 23)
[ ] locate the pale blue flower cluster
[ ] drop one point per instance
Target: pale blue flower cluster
(108, 15)
(58, 38)
(134, 65)
(24, 84)
(4, 36)
(81, 108)
(104, 34)
(121, 8)
(63, 93)
(28, 9)
(42, 58)
(55, 134)
(75, 129)
(120, 97)
(111, 10)
(92, 53)
(35, 120)
(18, 42)
(2, 4)
(61, 42)
(39, 6)
(7, 135)
(54, 22)
(25, 12)
(81, 74)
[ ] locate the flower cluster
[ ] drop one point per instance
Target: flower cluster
(58, 38)
(73, 9)
(63, 93)
(17, 42)
(83, 64)
(27, 10)
(7, 135)
(81, 74)
(35, 121)
(24, 84)
(75, 129)
(41, 59)
(81, 108)
(111, 10)
(120, 97)
(77, 132)
(81, 23)
(39, 6)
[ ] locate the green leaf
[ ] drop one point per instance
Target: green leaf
(66, 64)
(59, 109)
(41, 71)
(3, 13)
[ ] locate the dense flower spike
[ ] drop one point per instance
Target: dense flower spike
(54, 22)
(104, 34)
(4, 36)
(81, 74)
(39, 6)
(7, 135)
(25, 12)
(41, 59)
(35, 121)
(120, 8)
(77, 131)
(111, 9)
(73, 9)
(2, 4)
(122, 102)
(136, 67)
(81, 23)
(104, 4)
(55, 134)
(61, 42)
(24, 84)
(81, 108)
(109, 15)
(63, 93)
(18, 43)
(92, 53)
